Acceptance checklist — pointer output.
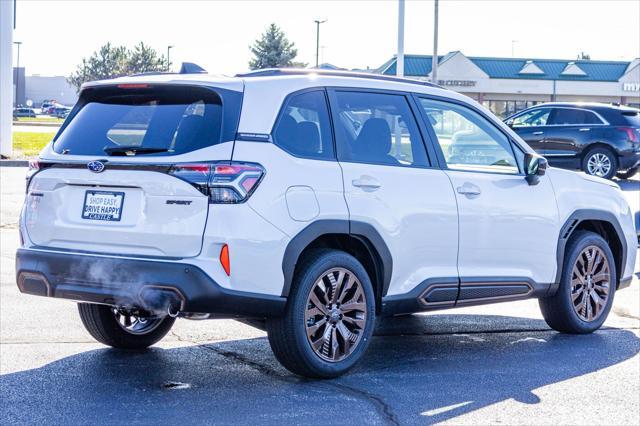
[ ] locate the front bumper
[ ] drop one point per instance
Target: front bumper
(149, 285)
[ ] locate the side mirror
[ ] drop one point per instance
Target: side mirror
(509, 122)
(534, 167)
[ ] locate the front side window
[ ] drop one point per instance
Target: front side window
(162, 120)
(377, 128)
(303, 128)
(468, 141)
(567, 117)
(537, 117)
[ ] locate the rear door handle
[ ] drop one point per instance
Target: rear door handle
(366, 183)
(584, 129)
(538, 133)
(468, 189)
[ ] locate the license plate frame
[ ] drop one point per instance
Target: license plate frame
(106, 216)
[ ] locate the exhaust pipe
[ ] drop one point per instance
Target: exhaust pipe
(172, 312)
(161, 300)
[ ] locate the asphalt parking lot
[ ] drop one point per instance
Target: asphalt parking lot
(480, 365)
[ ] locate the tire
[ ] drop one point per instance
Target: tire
(600, 162)
(335, 355)
(102, 322)
(628, 174)
(560, 311)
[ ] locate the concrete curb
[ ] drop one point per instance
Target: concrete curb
(14, 163)
(36, 124)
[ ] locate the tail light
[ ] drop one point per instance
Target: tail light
(223, 183)
(632, 134)
(34, 167)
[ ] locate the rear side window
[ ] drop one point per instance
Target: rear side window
(303, 128)
(162, 120)
(564, 116)
(377, 128)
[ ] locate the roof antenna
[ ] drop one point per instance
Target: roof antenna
(191, 68)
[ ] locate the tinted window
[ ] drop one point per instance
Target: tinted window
(537, 117)
(377, 128)
(162, 120)
(468, 141)
(303, 128)
(632, 117)
(564, 116)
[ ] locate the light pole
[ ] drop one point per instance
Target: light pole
(318, 22)
(168, 57)
(434, 58)
(17, 43)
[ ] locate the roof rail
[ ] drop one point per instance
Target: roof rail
(269, 72)
(147, 73)
(186, 68)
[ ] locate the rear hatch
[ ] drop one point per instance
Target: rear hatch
(106, 184)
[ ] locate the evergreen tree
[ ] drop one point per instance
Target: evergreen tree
(145, 59)
(273, 50)
(117, 61)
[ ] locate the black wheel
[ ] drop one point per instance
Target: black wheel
(600, 162)
(329, 318)
(587, 286)
(120, 329)
(628, 174)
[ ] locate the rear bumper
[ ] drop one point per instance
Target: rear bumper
(629, 160)
(144, 284)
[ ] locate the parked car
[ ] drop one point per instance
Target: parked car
(308, 204)
(23, 112)
(602, 140)
(52, 108)
(61, 112)
(46, 106)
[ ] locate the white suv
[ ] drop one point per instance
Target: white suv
(308, 204)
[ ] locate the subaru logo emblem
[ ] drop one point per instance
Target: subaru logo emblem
(95, 166)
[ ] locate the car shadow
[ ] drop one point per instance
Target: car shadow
(423, 369)
(628, 184)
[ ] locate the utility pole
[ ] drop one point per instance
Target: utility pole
(400, 55)
(434, 58)
(318, 22)
(17, 43)
(169, 56)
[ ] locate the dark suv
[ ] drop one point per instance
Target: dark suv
(600, 139)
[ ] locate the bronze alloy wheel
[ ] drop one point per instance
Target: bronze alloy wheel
(590, 280)
(336, 314)
(134, 324)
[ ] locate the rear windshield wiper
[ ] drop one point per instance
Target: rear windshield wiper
(132, 150)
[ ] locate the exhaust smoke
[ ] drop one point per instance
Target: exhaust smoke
(130, 289)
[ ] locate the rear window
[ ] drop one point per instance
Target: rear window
(148, 120)
(621, 116)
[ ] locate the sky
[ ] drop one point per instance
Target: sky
(56, 35)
